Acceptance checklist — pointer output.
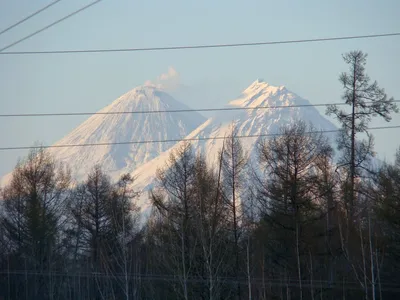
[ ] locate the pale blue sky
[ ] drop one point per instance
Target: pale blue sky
(87, 82)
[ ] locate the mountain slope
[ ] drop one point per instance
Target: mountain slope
(265, 109)
(117, 128)
(261, 109)
(247, 122)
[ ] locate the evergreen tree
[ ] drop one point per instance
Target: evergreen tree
(367, 100)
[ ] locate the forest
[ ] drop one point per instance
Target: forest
(302, 220)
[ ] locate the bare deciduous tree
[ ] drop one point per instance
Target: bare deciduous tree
(234, 162)
(289, 195)
(33, 217)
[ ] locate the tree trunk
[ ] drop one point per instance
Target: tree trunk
(185, 291)
(235, 229)
(248, 268)
(311, 276)
(298, 260)
(263, 276)
(371, 257)
(353, 145)
(378, 274)
(364, 264)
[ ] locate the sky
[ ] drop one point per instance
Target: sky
(88, 82)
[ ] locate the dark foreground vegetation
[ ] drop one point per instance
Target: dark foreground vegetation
(290, 224)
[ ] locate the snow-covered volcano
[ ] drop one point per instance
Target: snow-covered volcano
(261, 110)
(140, 120)
(145, 125)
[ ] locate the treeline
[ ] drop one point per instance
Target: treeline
(293, 223)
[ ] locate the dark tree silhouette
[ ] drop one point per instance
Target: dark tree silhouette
(367, 100)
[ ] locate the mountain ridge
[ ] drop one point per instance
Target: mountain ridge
(125, 127)
(142, 160)
(251, 122)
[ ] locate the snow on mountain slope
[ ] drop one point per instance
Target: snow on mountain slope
(260, 110)
(265, 111)
(127, 127)
(248, 122)
(111, 128)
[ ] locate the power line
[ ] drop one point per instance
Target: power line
(177, 140)
(29, 17)
(166, 48)
(385, 286)
(171, 111)
(50, 25)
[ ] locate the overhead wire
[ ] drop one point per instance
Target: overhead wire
(204, 46)
(173, 110)
(176, 140)
(29, 17)
(160, 49)
(274, 281)
(50, 25)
